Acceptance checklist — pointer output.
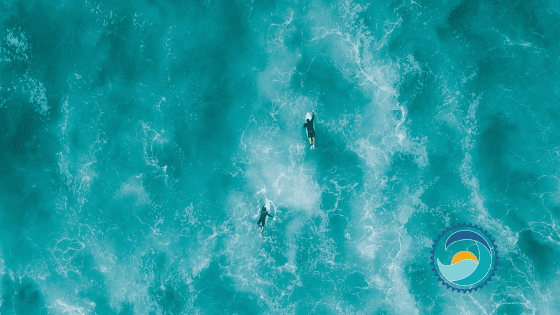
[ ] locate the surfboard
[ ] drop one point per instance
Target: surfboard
(309, 117)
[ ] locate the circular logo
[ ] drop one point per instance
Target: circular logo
(464, 257)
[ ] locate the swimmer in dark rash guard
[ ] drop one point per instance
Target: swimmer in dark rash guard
(262, 218)
(310, 130)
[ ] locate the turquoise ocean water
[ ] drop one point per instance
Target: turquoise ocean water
(141, 138)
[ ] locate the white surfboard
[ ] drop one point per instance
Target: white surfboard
(309, 117)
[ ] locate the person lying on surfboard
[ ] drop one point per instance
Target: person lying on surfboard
(310, 130)
(262, 218)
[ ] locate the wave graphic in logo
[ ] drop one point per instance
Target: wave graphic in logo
(467, 269)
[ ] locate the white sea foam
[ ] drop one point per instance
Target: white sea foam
(134, 187)
(66, 308)
(17, 45)
(38, 96)
(18, 49)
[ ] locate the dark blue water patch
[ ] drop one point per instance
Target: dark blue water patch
(417, 85)
(400, 173)
(410, 19)
(124, 60)
(122, 148)
(127, 309)
(37, 206)
(11, 72)
(40, 24)
(446, 34)
(295, 36)
(279, 233)
(446, 188)
(544, 256)
(412, 36)
(444, 160)
(219, 133)
(222, 39)
(555, 212)
(93, 283)
(333, 160)
(317, 78)
(170, 9)
(22, 136)
(21, 296)
(546, 115)
(303, 301)
(356, 280)
(14, 191)
(308, 302)
(379, 10)
(210, 68)
(20, 125)
(27, 192)
(76, 21)
(22, 249)
(384, 309)
(420, 92)
(367, 299)
(498, 208)
(504, 67)
(511, 306)
(122, 226)
(102, 305)
(346, 201)
(171, 296)
(445, 141)
(521, 191)
(261, 8)
(279, 258)
(343, 167)
(507, 213)
(424, 285)
(246, 304)
(350, 282)
(323, 308)
(494, 144)
(161, 190)
(218, 107)
(217, 294)
(328, 200)
(527, 15)
(338, 225)
(306, 252)
(355, 290)
(102, 77)
(508, 151)
(217, 183)
(460, 17)
(232, 18)
(8, 294)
